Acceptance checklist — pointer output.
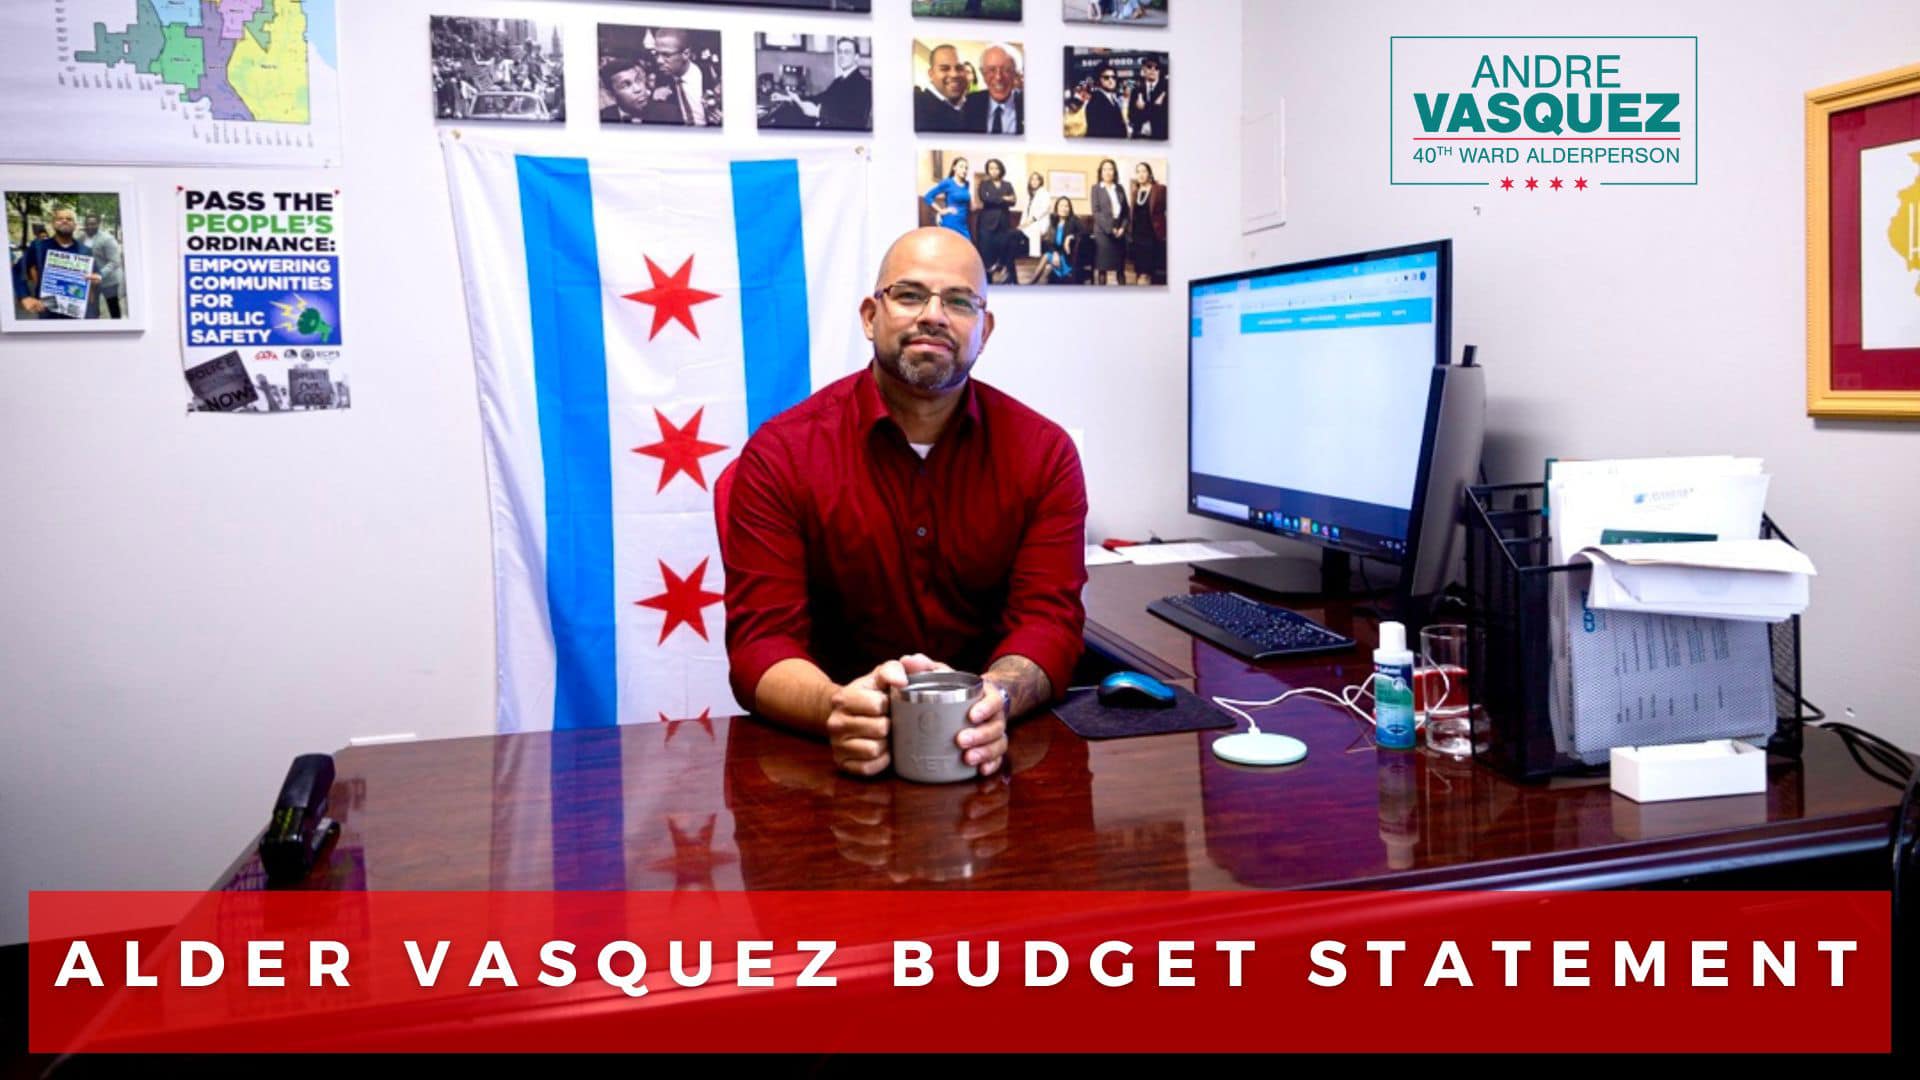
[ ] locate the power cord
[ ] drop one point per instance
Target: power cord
(1864, 745)
(1347, 699)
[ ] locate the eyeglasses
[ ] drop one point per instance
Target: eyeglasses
(910, 298)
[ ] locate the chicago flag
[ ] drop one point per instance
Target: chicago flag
(635, 316)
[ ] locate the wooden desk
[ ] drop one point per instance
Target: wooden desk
(732, 803)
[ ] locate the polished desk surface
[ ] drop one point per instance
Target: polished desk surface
(733, 803)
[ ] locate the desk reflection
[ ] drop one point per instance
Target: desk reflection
(733, 803)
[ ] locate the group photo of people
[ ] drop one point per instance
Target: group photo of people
(1052, 219)
(1115, 94)
(820, 81)
(1136, 12)
(660, 75)
(497, 69)
(977, 87)
(67, 254)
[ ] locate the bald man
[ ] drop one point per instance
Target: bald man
(905, 518)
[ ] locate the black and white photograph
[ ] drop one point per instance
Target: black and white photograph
(1115, 94)
(69, 254)
(814, 82)
(498, 69)
(803, 5)
(660, 75)
(1006, 10)
(1047, 218)
(978, 87)
(1120, 12)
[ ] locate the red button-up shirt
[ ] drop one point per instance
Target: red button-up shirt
(844, 547)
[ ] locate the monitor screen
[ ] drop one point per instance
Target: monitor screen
(1312, 400)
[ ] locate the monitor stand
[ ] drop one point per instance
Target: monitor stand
(1330, 577)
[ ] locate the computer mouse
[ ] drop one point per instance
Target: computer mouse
(1132, 690)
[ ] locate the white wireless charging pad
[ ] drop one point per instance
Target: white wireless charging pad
(1247, 748)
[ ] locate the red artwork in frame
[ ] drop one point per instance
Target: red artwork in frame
(1863, 247)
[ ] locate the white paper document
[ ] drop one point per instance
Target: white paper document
(1191, 551)
(1723, 498)
(1751, 580)
(1099, 556)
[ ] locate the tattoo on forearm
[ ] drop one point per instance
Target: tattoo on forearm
(1027, 685)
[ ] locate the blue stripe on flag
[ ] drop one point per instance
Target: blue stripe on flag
(588, 810)
(773, 286)
(570, 379)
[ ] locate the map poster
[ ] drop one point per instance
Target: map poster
(170, 82)
(64, 284)
(260, 299)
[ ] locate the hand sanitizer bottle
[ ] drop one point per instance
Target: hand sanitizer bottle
(1393, 727)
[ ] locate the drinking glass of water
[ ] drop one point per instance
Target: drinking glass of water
(1440, 689)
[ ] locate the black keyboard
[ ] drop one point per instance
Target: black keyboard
(1246, 627)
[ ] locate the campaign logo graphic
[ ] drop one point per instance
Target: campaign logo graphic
(266, 354)
(1545, 116)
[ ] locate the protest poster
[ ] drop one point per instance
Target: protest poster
(63, 283)
(260, 295)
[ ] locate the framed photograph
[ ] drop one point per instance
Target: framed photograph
(976, 87)
(1115, 12)
(814, 82)
(1863, 247)
(804, 5)
(74, 255)
(497, 69)
(660, 75)
(1115, 94)
(1050, 218)
(1006, 10)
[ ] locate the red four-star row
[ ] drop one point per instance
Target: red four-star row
(1506, 183)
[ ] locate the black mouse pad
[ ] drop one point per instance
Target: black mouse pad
(1091, 720)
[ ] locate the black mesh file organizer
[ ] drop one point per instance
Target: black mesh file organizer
(1510, 677)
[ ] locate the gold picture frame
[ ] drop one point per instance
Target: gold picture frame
(1823, 398)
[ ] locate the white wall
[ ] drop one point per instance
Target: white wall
(189, 601)
(1641, 321)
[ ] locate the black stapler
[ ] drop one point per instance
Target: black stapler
(300, 829)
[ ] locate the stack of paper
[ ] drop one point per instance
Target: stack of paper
(1650, 499)
(1749, 580)
(1191, 551)
(1630, 677)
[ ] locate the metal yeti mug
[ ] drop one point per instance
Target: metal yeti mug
(928, 713)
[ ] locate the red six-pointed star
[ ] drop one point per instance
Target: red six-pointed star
(1556, 183)
(1506, 183)
(683, 600)
(680, 449)
(1532, 183)
(672, 297)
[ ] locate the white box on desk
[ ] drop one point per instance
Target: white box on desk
(1697, 770)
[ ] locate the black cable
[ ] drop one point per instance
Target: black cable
(1898, 766)
(1854, 751)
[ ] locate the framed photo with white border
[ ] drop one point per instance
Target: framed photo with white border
(73, 243)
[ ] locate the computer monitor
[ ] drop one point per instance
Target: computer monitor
(1318, 411)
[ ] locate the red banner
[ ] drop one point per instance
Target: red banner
(835, 972)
